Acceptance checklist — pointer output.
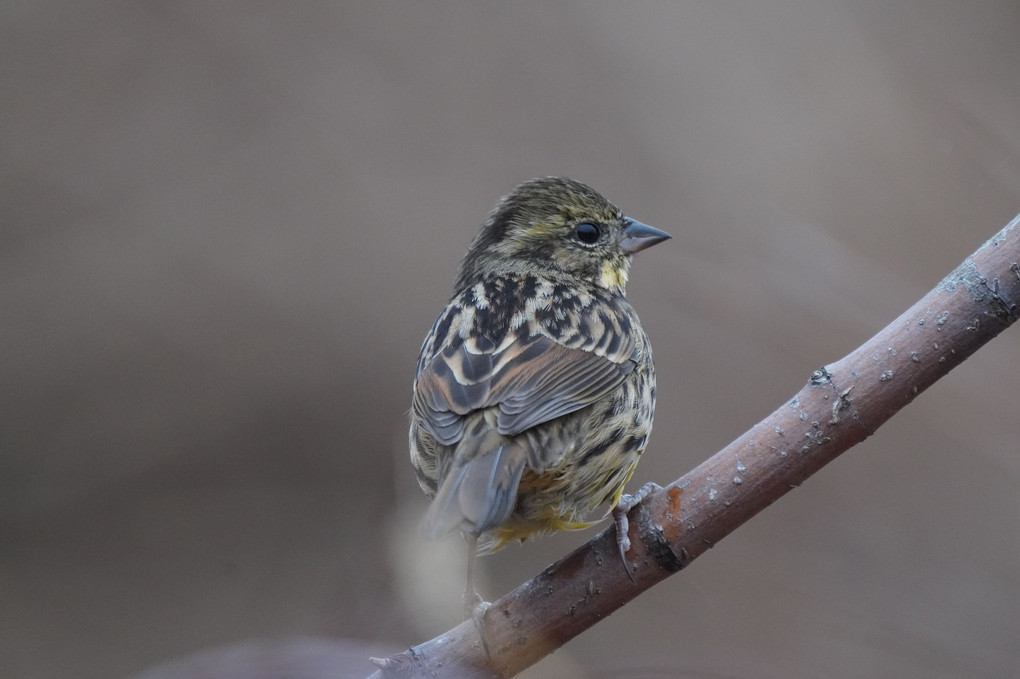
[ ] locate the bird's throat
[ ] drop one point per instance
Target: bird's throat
(613, 277)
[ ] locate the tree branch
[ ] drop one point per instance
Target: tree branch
(842, 404)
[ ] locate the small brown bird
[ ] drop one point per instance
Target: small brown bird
(535, 388)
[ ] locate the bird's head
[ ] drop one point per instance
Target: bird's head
(557, 226)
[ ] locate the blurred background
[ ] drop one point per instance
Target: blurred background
(226, 227)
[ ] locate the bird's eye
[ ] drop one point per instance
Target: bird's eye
(587, 233)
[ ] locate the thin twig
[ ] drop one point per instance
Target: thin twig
(842, 404)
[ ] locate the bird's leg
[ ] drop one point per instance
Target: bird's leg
(472, 599)
(620, 511)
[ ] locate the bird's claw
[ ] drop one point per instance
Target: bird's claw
(477, 613)
(620, 511)
(474, 605)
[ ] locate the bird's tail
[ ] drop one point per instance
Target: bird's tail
(479, 494)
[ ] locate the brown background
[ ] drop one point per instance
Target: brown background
(225, 228)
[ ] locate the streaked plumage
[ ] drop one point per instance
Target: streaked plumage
(535, 388)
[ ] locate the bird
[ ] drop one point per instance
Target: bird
(534, 390)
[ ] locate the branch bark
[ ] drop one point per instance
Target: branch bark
(841, 405)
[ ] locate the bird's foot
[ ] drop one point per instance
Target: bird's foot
(620, 511)
(475, 608)
(474, 605)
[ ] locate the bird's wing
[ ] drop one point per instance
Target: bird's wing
(532, 380)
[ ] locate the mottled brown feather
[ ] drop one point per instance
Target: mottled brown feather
(542, 381)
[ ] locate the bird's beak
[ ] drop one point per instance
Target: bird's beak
(638, 236)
